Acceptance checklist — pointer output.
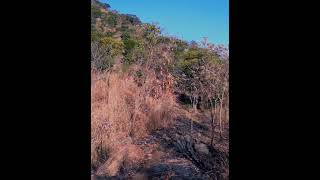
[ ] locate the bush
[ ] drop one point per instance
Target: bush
(125, 35)
(110, 34)
(103, 51)
(124, 29)
(139, 78)
(129, 45)
(192, 54)
(112, 20)
(95, 12)
(163, 39)
(116, 45)
(101, 57)
(95, 34)
(137, 54)
(188, 60)
(133, 50)
(151, 33)
(180, 47)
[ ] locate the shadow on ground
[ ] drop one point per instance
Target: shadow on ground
(175, 153)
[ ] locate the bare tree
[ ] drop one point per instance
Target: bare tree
(214, 74)
(205, 77)
(209, 76)
(222, 90)
(100, 56)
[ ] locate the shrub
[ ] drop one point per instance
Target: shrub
(112, 19)
(103, 51)
(101, 57)
(151, 33)
(133, 50)
(129, 45)
(188, 60)
(95, 34)
(165, 40)
(192, 54)
(124, 29)
(110, 34)
(180, 47)
(139, 78)
(116, 45)
(95, 12)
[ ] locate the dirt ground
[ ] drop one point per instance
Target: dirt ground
(175, 153)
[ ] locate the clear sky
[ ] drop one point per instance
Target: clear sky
(186, 19)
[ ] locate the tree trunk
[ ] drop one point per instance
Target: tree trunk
(226, 113)
(194, 104)
(212, 121)
(215, 108)
(220, 113)
(191, 121)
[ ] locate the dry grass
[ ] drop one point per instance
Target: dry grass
(120, 111)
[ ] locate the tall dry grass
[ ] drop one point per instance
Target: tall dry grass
(121, 110)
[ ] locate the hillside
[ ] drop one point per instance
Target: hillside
(159, 105)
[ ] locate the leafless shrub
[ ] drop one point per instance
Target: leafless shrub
(101, 58)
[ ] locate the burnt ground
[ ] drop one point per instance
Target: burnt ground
(175, 153)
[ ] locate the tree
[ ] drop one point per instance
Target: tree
(214, 78)
(101, 58)
(187, 74)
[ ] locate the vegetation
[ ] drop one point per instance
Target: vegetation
(137, 76)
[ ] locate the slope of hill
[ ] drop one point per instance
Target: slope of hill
(159, 105)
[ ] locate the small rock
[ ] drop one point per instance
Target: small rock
(201, 148)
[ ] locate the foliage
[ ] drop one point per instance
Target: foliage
(95, 12)
(116, 45)
(134, 53)
(164, 39)
(179, 47)
(155, 68)
(151, 33)
(200, 69)
(139, 77)
(131, 19)
(112, 19)
(101, 56)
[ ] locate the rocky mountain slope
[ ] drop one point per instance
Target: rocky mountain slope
(159, 105)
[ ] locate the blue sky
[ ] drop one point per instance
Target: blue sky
(186, 19)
